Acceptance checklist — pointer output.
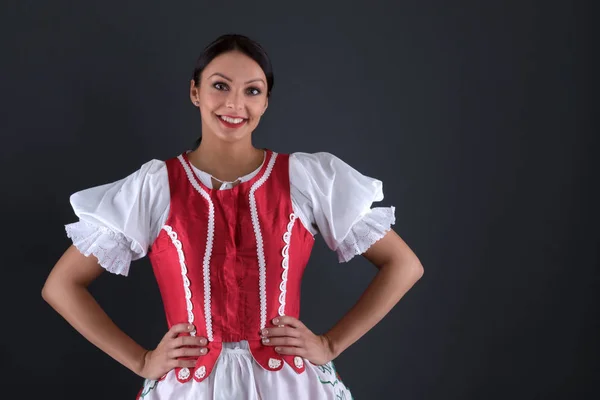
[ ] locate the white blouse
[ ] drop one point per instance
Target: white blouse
(119, 221)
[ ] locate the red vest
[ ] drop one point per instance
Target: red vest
(229, 261)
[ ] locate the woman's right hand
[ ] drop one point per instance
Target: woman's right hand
(166, 356)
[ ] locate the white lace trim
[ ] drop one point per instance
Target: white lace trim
(364, 233)
(262, 282)
(298, 362)
(209, 246)
(183, 373)
(274, 363)
(186, 282)
(112, 249)
(285, 263)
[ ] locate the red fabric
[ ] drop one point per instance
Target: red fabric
(234, 266)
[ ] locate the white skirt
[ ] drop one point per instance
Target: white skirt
(236, 376)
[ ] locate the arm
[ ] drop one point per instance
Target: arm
(66, 291)
(332, 196)
(399, 269)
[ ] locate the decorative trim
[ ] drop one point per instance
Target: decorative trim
(262, 265)
(298, 362)
(186, 282)
(200, 372)
(274, 363)
(183, 374)
(285, 263)
(209, 245)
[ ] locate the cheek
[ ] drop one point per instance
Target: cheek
(211, 101)
(256, 108)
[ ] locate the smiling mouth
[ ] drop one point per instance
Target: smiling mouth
(232, 122)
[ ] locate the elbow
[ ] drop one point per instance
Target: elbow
(411, 270)
(416, 269)
(47, 292)
(419, 271)
(51, 291)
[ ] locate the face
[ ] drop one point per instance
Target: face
(232, 96)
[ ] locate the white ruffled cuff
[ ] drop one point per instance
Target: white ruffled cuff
(364, 233)
(112, 249)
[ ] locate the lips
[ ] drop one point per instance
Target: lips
(232, 121)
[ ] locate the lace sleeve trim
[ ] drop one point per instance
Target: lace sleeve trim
(112, 249)
(364, 233)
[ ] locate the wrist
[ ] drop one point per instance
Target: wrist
(138, 367)
(333, 346)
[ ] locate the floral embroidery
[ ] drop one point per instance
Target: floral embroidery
(329, 376)
(298, 362)
(200, 372)
(184, 373)
(147, 387)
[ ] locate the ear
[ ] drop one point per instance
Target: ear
(266, 105)
(194, 92)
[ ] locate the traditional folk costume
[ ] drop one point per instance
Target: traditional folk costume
(229, 260)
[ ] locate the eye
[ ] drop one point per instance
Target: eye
(253, 91)
(220, 86)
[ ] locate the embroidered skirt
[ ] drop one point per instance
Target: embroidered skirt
(236, 376)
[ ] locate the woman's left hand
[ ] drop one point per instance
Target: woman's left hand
(292, 337)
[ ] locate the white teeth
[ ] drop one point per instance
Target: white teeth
(232, 120)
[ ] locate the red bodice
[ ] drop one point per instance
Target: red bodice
(229, 261)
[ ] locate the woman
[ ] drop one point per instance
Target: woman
(228, 229)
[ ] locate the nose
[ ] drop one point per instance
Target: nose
(234, 101)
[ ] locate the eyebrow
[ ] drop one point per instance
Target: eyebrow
(230, 80)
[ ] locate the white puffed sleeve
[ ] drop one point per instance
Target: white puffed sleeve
(118, 221)
(333, 199)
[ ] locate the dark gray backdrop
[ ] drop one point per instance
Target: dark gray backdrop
(475, 115)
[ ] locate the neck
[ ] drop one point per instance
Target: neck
(226, 161)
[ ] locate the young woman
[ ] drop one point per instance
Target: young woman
(228, 229)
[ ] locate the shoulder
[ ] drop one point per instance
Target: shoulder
(323, 173)
(146, 177)
(154, 169)
(324, 164)
(317, 157)
(319, 161)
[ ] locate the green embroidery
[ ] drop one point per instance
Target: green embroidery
(329, 382)
(341, 396)
(333, 379)
(325, 368)
(148, 386)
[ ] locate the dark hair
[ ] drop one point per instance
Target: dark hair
(234, 42)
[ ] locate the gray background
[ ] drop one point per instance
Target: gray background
(476, 116)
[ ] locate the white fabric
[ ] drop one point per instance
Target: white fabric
(119, 221)
(236, 376)
(367, 231)
(329, 197)
(112, 249)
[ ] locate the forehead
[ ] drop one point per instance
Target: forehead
(234, 65)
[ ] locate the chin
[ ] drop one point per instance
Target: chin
(232, 137)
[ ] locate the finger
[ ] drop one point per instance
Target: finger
(183, 363)
(187, 341)
(187, 352)
(283, 341)
(292, 351)
(287, 320)
(177, 329)
(285, 331)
